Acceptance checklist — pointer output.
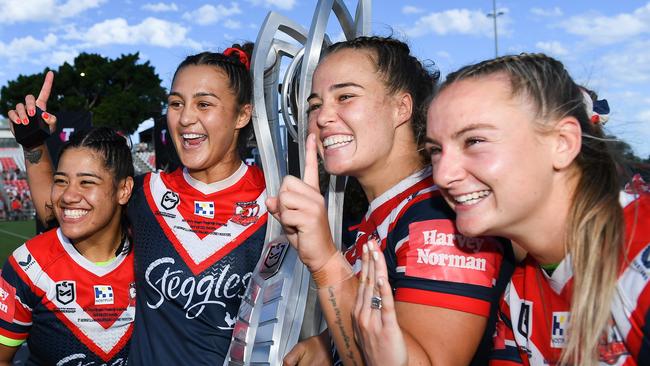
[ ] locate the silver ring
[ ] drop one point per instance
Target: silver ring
(375, 302)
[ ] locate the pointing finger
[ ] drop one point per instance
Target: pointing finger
(311, 163)
(44, 95)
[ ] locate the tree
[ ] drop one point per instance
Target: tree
(119, 93)
(630, 162)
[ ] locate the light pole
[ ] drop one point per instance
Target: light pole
(494, 15)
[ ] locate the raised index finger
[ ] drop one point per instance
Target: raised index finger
(311, 163)
(44, 95)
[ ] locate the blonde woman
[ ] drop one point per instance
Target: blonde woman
(516, 153)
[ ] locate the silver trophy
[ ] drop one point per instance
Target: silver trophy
(280, 307)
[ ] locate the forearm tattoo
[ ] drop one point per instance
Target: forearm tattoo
(33, 156)
(347, 352)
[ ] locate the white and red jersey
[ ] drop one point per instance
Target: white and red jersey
(72, 310)
(428, 261)
(535, 310)
(195, 246)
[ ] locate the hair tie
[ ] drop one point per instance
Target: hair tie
(243, 58)
(598, 111)
(601, 109)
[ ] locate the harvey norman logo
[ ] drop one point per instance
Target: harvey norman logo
(433, 257)
(435, 237)
(425, 256)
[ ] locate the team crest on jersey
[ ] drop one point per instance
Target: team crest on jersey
(559, 326)
(204, 209)
(611, 346)
(103, 295)
(65, 292)
(246, 213)
(170, 200)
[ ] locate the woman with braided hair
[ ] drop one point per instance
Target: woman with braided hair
(57, 288)
(198, 231)
(367, 120)
(517, 152)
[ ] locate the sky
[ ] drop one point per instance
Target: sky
(604, 44)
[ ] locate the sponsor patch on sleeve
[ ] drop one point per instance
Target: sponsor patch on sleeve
(7, 301)
(437, 251)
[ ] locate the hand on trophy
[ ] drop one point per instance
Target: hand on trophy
(20, 115)
(300, 208)
(312, 351)
(375, 319)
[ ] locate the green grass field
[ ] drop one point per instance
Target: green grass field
(13, 234)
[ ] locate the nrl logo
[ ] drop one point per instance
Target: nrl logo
(65, 292)
(273, 259)
(170, 200)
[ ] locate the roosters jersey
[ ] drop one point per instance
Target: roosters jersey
(428, 261)
(73, 311)
(195, 247)
(535, 310)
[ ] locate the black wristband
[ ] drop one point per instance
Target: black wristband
(33, 134)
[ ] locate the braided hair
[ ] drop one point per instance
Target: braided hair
(110, 145)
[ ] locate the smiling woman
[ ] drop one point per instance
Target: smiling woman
(83, 266)
(367, 119)
(516, 153)
(198, 231)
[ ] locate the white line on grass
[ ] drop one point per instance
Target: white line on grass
(14, 234)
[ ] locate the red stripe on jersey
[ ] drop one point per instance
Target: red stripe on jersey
(13, 335)
(368, 225)
(443, 300)
(21, 313)
(226, 249)
(505, 363)
(635, 214)
(418, 198)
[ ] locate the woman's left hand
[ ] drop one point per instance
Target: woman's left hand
(300, 208)
(377, 330)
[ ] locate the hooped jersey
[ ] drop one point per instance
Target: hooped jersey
(429, 262)
(533, 320)
(74, 312)
(195, 246)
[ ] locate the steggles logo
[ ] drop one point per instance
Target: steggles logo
(171, 284)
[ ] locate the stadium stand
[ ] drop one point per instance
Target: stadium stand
(11, 158)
